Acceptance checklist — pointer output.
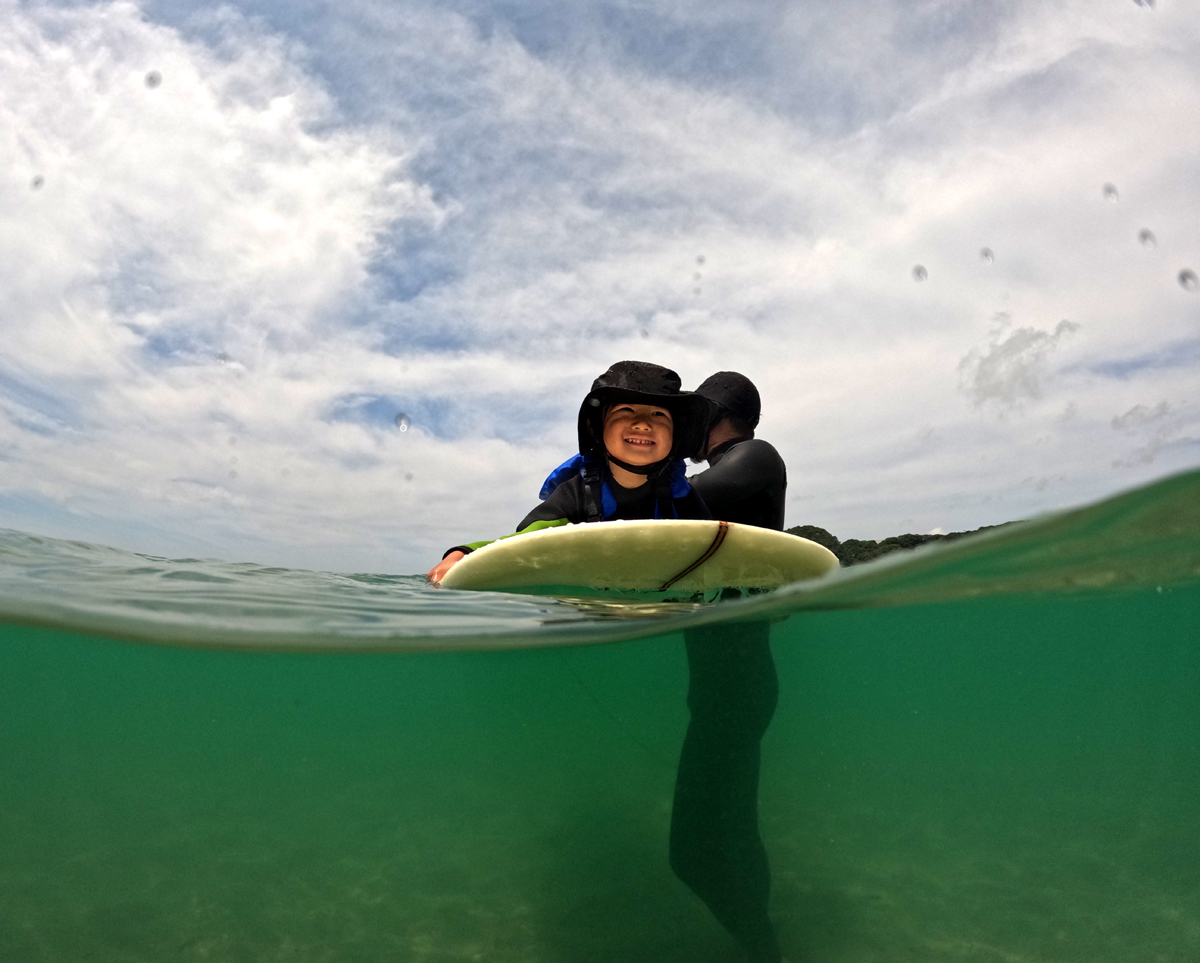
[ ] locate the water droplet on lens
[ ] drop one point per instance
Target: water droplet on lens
(153, 79)
(408, 476)
(919, 273)
(696, 276)
(285, 472)
(986, 255)
(1146, 238)
(403, 421)
(37, 182)
(1188, 280)
(233, 474)
(1110, 193)
(594, 402)
(645, 333)
(696, 292)
(223, 358)
(700, 259)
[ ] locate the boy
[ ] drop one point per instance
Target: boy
(636, 427)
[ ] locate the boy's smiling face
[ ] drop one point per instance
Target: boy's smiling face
(638, 434)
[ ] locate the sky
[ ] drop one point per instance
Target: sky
(948, 240)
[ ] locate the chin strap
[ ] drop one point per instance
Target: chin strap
(651, 469)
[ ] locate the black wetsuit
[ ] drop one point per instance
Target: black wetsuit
(715, 844)
(745, 482)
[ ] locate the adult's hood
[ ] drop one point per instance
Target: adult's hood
(732, 393)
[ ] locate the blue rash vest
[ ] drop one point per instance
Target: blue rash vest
(576, 466)
(569, 495)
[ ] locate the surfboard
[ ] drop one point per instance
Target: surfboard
(684, 557)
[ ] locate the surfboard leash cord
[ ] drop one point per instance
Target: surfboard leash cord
(722, 531)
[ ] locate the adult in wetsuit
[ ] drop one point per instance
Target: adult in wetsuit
(715, 844)
(619, 473)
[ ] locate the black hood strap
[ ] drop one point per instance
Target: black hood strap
(662, 495)
(592, 499)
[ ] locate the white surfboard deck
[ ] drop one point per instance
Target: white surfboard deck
(644, 556)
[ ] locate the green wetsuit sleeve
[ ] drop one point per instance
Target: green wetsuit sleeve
(561, 508)
(564, 505)
(537, 526)
(534, 527)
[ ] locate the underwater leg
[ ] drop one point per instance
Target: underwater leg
(715, 845)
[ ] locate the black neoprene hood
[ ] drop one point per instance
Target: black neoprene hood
(643, 383)
(733, 392)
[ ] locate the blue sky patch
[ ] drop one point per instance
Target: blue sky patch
(1181, 354)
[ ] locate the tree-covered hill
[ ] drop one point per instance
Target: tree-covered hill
(854, 551)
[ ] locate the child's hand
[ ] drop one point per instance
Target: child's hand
(438, 572)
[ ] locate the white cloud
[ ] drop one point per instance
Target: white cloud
(224, 212)
(1012, 369)
(1140, 415)
(1156, 429)
(418, 212)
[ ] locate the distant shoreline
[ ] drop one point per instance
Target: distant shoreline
(855, 551)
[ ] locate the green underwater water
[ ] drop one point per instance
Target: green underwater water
(988, 751)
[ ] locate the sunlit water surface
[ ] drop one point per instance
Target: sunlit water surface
(984, 751)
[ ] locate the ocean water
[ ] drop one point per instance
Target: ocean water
(983, 751)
